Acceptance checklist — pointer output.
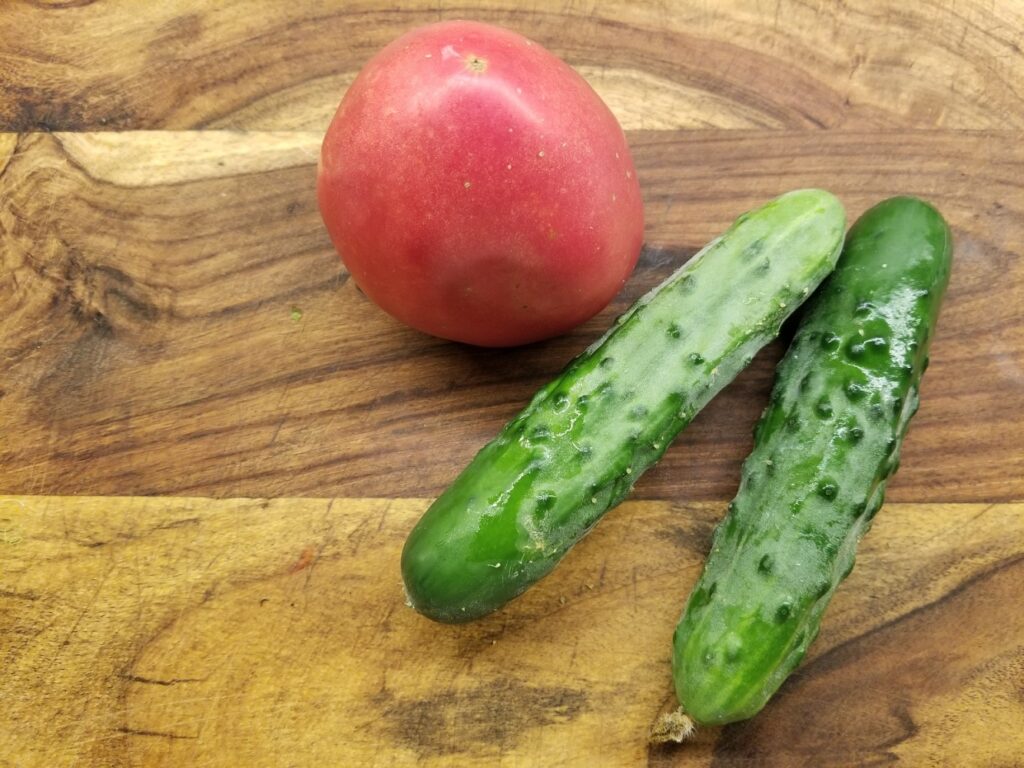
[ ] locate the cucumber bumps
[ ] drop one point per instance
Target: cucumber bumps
(823, 452)
(585, 438)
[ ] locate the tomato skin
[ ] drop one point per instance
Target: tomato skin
(478, 189)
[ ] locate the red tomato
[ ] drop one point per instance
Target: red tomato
(478, 189)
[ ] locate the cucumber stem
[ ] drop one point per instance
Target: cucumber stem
(675, 726)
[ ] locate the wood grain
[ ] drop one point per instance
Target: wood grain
(173, 319)
(76, 66)
(174, 324)
(139, 631)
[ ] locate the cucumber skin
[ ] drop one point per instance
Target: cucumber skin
(585, 438)
(824, 450)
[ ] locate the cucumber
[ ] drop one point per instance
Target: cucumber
(824, 449)
(585, 438)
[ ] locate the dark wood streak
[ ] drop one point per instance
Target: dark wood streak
(152, 681)
(496, 715)
(857, 701)
(157, 734)
(7, 594)
(717, 67)
(56, 5)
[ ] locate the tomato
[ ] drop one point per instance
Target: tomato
(478, 189)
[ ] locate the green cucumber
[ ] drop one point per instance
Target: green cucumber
(823, 451)
(584, 439)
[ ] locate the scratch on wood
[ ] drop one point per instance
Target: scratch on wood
(160, 734)
(154, 681)
(92, 601)
(27, 596)
(178, 524)
(383, 516)
(277, 430)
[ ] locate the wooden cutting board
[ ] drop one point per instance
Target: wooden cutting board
(213, 446)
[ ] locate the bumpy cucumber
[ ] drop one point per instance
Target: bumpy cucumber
(823, 451)
(585, 438)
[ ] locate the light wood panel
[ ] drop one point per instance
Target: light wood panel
(141, 631)
(173, 319)
(119, 64)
